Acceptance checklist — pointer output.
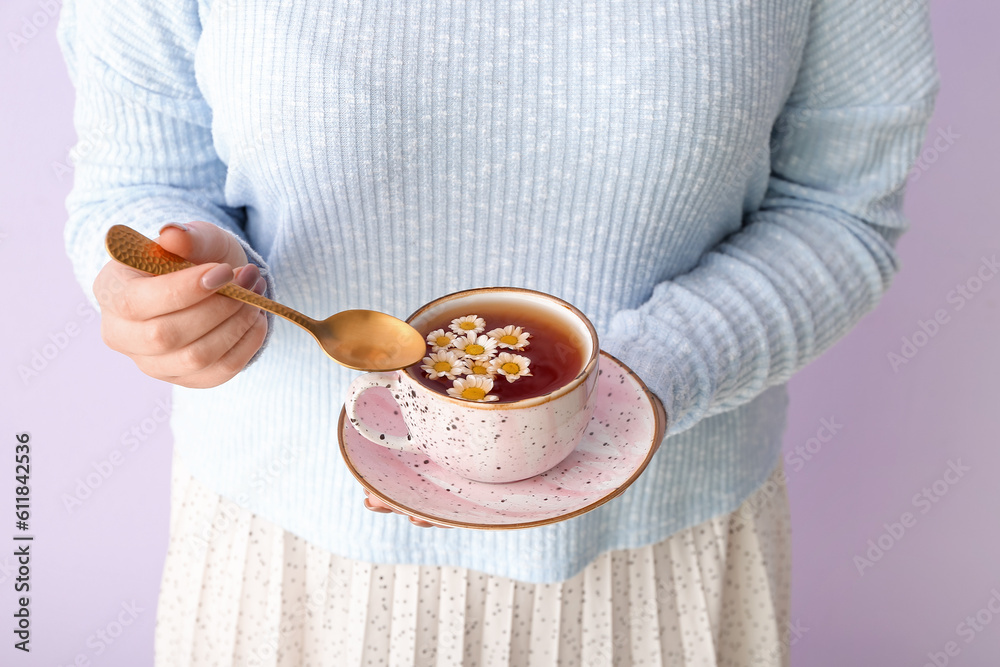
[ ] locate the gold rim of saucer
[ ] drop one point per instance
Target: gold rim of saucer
(659, 430)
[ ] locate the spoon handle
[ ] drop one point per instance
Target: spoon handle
(135, 250)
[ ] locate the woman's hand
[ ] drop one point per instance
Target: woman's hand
(376, 505)
(174, 327)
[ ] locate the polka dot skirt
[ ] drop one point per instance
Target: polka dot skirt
(716, 594)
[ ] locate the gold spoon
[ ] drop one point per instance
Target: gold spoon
(364, 340)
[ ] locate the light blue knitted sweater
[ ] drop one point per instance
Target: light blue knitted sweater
(716, 183)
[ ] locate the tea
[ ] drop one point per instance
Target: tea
(535, 354)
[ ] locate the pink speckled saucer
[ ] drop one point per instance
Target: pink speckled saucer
(627, 427)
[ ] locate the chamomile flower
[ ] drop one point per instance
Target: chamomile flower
(444, 363)
(472, 345)
(511, 366)
(479, 367)
(468, 324)
(439, 339)
(473, 388)
(510, 337)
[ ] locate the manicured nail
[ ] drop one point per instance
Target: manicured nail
(217, 277)
(175, 225)
(260, 287)
(247, 276)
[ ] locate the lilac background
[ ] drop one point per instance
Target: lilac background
(900, 428)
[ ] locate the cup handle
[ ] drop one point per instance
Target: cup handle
(390, 381)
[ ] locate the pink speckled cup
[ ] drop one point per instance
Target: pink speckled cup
(490, 442)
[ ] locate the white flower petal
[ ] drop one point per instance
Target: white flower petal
(468, 324)
(511, 366)
(478, 347)
(434, 364)
(480, 385)
(484, 366)
(436, 339)
(511, 337)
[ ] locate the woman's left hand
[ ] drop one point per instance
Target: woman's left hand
(376, 505)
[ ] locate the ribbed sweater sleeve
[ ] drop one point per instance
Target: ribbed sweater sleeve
(145, 154)
(819, 252)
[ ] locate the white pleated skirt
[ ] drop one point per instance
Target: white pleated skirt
(716, 594)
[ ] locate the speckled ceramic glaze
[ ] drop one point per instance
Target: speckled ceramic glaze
(618, 442)
(487, 442)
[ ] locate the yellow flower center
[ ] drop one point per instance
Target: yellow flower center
(468, 326)
(442, 367)
(474, 349)
(508, 339)
(473, 393)
(442, 341)
(511, 368)
(479, 370)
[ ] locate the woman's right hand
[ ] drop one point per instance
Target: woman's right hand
(174, 327)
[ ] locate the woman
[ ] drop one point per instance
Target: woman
(716, 184)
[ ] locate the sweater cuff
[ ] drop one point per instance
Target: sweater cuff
(658, 370)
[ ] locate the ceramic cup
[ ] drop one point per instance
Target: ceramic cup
(490, 442)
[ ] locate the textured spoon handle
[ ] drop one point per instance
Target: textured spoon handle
(133, 249)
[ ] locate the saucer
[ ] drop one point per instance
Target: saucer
(621, 438)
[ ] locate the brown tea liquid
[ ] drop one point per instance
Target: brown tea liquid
(556, 353)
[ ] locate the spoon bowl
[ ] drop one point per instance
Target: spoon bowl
(364, 340)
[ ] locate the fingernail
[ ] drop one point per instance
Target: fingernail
(247, 276)
(175, 225)
(217, 277)
(260, 287)
(380, 510)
